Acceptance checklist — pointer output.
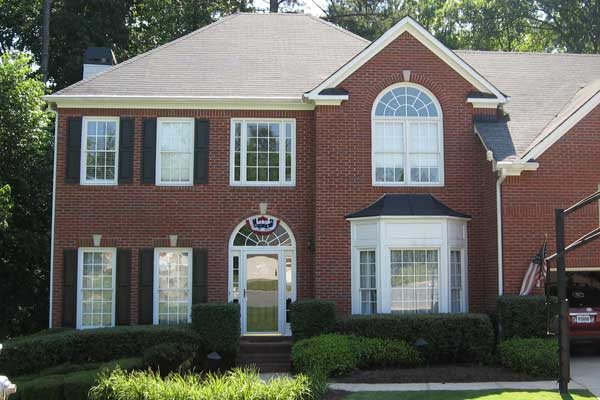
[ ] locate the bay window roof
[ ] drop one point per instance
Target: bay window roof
(407, 204)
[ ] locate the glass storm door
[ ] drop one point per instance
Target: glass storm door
(262, 293)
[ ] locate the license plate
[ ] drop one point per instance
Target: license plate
(584, 319)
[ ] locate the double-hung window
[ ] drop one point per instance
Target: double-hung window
(263, 152)
(368, 282)
(96, 283)
(456, 281)
(99, 149)
(172, 285)
(175, 151)
(407, 138)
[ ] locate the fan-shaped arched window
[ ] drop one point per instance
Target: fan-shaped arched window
(407, 138)
(246, 237)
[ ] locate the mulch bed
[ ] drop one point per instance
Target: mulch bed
(436, 374)
(336, 395)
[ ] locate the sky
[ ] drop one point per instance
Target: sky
(309, 6)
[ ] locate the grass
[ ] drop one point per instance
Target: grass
(472, 395)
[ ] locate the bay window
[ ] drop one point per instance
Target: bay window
(368, 282)
(414, 281)
(407, 138)
(263, 152)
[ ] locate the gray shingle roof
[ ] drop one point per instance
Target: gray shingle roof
(243, 55)
(542, 87)
(286, 55)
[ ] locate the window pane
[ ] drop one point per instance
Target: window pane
(97, 289)
(414, 281)
(173, 287)
(389, 152)
(368, 282)
(455, 281)
(100, 150)
(176, 146)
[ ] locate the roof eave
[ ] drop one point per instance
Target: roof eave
(349, 218)
(408, 24)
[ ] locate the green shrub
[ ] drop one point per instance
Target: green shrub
(333, 355)
(310, 318)
(35, 353)
(78, 384)
(218, 326)
(233, 385)
(379, 353)
(522, 316)
(330, 355)
(449, 337)
(534, 356)
(49, 387)
(169, 357)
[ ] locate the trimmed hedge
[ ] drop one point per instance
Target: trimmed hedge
(31, 354)
(218, 327)
(449, 337)
(533, 356)
(52, 385)
(522, 316)
(170, 357)
(333, 355)
(310, 318)
(232, 385)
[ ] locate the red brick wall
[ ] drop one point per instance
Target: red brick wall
(569, 170)
(343, 168)
(137, 216)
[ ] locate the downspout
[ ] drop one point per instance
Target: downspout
(50, 305)
(501, 178)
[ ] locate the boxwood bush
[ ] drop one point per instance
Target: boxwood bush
(233, 385)
(334, 355)
(310, 318)
(449, 337)
(170, 357)
(218, 327)
(522, 316)
(534, 356)
(30, 354)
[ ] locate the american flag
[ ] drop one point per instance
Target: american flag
(536, 271)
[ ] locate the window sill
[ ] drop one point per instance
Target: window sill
(411, 184)
(270, 185)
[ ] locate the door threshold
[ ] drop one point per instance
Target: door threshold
(261, 334)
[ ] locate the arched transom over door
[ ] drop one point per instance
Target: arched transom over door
(262, 274)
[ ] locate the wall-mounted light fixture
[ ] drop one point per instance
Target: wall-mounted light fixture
(310, 244)
(96, 239)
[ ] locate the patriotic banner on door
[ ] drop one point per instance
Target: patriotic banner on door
(262, 225)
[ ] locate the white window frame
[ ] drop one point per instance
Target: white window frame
(357, 251)
(406, 121)
(80, 252)
(83, 160)
(243, 144)
(463, 278)
(159, 181)
(155, 299)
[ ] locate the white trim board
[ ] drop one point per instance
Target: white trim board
(408, 24)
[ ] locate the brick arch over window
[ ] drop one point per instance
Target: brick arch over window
(407, 137)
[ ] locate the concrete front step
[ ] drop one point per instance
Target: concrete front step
(267, 353)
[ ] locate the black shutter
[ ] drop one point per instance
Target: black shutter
(201, 151)
(149, 150)
(126, 139)
(73, 162)
(146, 287)
(200, 276)
(123, 286)
(69, 289)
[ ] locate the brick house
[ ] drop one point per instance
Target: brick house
(272, 157)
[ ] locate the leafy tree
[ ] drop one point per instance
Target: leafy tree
(5, 206)
(26, 166)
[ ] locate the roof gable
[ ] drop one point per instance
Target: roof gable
(407, 24)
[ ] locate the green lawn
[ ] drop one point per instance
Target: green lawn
(472, 395)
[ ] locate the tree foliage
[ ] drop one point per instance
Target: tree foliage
(25, 167)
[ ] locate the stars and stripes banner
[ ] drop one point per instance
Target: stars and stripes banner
(262, 225)
(536, 271)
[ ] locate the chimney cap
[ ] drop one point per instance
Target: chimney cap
(99, 56)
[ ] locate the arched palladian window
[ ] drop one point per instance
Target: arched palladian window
(407, 137)
(245, 237)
